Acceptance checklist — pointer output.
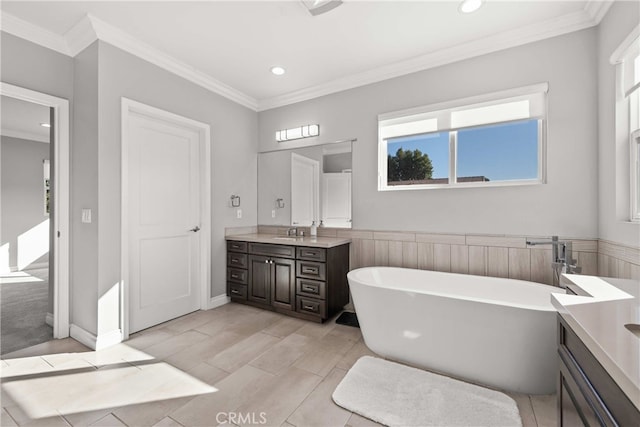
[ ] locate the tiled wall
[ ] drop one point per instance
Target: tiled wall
(498, 256)
(615, 260)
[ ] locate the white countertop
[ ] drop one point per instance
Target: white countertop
(316, 242)
(598, 315)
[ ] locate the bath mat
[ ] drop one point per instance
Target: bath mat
(348, 318)
(397, 395)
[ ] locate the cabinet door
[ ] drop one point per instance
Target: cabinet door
(283, 284)
(259, 279)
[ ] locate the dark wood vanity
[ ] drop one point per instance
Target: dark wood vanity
(308, 282)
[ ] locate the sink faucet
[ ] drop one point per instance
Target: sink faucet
(292, 231)
(561, 256)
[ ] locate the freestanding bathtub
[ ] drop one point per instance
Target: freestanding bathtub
(491, 331)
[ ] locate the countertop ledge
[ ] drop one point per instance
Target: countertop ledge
(598, 315)
(308, 241)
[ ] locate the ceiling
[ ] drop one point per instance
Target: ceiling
(21, 119)
(230, 46)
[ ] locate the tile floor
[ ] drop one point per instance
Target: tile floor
(200, 370)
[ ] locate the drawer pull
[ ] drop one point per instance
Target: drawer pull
(309, 254)
(310, 270)
(235, 291)
(235, 260)
(235, 276)
(309, 307)
(308, 288)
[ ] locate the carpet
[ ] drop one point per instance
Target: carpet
(348, 318)
(397, 395)
(23, 306)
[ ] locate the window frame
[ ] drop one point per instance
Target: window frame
(634, 144)
(440, 114)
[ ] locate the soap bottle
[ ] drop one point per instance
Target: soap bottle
(313, 230)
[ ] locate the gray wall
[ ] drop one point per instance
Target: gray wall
(22, 192)
(566, 205)
(233, 161)
(613, 166)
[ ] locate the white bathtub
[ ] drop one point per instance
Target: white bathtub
(496, 332)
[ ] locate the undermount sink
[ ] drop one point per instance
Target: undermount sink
(289, 239)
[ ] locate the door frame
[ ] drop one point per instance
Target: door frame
(61, 200)
(130, 106)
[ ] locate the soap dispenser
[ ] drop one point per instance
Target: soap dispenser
(313, 230)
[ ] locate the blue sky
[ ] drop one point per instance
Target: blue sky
(499, 152)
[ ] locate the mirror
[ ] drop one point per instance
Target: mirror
(301, 185)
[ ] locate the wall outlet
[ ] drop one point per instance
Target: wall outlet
(86, 216)
(238, 213)
(273, 213)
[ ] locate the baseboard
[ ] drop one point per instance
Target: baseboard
(48, 319)
(95, 342)
(218, 301)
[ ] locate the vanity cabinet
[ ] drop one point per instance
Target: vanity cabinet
(301, 281)
(587, 395)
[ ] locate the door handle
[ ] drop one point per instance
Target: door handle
(195, 229)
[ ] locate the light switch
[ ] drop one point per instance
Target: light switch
(238, 213)
(273, 213)
(86, 216)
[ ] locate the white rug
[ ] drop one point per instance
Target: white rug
(397, 395)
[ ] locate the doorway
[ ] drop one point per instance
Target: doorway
(34, 252)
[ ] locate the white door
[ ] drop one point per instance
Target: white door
(336, 199)
(305, 194)
(164, 220)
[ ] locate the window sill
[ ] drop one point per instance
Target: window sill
(461, 185)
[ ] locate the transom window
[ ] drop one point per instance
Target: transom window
(495, 139)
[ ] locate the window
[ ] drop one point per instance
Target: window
(490, 140)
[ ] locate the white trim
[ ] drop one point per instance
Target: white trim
(204, 130)
(95, 342)
(79, 37)
(597, 9)
(634, 148)
(482, 46)
(61, 202)
(35, 266)
(33, 33)
(218, 301)
(89, 29)
(48, 319)
(621, 51)
(29, 136)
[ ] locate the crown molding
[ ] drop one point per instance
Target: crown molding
(29, 136)
(28, 31)
(551, 28)
(80, 36)
(90, 29)
(597, 9)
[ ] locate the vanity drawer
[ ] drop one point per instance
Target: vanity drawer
(234, 246)
(237, 291)
(311, 254)
(237, 276)
(310, 306)
(237, 260)
(281, 251)
(311, 288)
(311, 270)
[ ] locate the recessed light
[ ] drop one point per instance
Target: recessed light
(468, 6)
(278, 71)
(45, 125)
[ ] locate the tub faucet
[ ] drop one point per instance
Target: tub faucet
(561, 256)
